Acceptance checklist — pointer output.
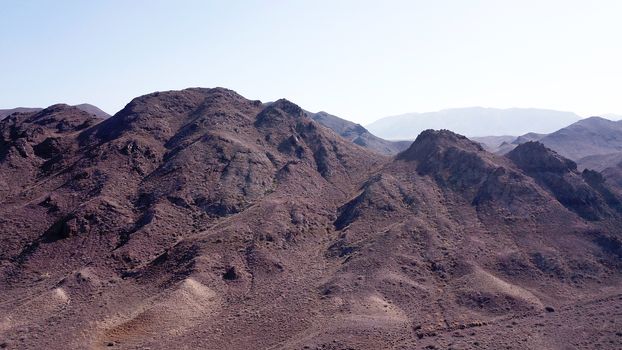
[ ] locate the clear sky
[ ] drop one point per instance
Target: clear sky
(360, 60)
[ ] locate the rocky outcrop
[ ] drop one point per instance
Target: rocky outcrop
(559, 175)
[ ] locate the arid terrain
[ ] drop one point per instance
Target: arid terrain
(199, 219)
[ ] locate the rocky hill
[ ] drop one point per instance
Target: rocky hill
(84, 107)
(201, 219)
(6, 112)
(594, 143)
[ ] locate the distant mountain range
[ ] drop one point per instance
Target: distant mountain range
(84, 107)
(474, 121)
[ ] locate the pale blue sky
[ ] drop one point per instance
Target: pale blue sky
(361, 60)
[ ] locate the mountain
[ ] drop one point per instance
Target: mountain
(85, 107)
(202, 219)
(581, 193)
(493, 143)
(612, 116)
(504, 144)
(475, 122)
(600, 162)
(613, 174)
(6, 112)
(591, 141)
(587, 137)
(358, 134)
(94, 110)
(610, 165)
(531, 136)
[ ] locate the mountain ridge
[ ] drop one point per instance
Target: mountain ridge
(357, 134)
(91, 109)
(594, 143)
(203, 219)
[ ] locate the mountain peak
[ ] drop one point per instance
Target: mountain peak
(595, 122)
(451, 159)
(181, 100)
(534, 156)
(89, 108)
(431, 142)
(287, 106)
(94, 110)
(59, 113)
(586, 194)
(279, 113)
(594, 118)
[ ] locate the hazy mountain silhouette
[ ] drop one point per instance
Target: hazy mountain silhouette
(475, 121)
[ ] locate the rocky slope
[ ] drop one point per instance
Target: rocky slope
(93, 110)
(587, 137)
(358, 134)
(202, 219)
(6, 112)
(600, 162)
(592, 142)
(613, 174)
